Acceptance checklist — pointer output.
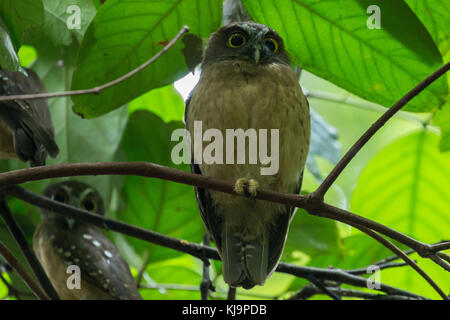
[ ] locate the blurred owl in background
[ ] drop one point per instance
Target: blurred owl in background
(61, 242)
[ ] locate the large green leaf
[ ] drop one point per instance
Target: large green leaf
(8, 56)
(166, 207)
(125, 34)
(57, 17)
(183, 271)
(165, 102)
(20, 16)
(331, 39)
(442, 119)
(324, 143)
(406, 186)
(435, 15)
(312, 235)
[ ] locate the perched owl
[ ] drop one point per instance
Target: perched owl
(247, 82)
(26, 129)
(60, 242)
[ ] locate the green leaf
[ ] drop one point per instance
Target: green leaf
(57, 16)
(8, 56)
(183, 271)
(442, 119)
(124, 35)
(166, 207)
(324, 143)
(27, 55)
(164, 102)
(331, 40)
(405, 186)
(435, 15)
(312, 235)
(21, 16)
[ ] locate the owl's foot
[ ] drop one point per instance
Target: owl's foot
(246, 187)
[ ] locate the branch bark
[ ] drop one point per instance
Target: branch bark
(19, 236)
(199, 251)
(15, 264)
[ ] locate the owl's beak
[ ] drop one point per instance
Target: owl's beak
(256, 52)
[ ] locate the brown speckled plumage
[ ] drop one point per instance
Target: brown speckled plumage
(60, 243)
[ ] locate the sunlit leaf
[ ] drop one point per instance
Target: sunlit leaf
(124, 35)
(331, 39)
(435, 15)
(166, 207)
(20, 17)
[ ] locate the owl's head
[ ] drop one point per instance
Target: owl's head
(247, 41)
(76, 194)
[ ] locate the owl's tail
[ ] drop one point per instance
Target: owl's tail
(245, 263)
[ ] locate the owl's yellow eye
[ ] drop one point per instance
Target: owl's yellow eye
(236, 40)
(89, 205)
(272, 44)
(60, 196)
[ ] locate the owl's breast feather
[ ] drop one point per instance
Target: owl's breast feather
(234, 95)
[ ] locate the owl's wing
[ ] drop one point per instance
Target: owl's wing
(31, 116)
(280, 231)
(207, 208)
(99, 261)
(212, 221)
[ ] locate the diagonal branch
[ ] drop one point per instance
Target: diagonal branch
(15, 264)
(337, 170)
(199, 251)
(19, 236)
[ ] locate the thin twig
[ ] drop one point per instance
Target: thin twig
(311, 290)
(34, 263)
(323, 288)
(342, 164)
(407, 259)
(381, 266)
(15, 264)
(102, 87)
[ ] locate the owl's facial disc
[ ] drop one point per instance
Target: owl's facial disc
(245, 41)
(76, 194)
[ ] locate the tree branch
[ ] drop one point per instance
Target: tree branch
(340, 166)
(15, 264)
(311, 290)
(196, 250)
(35, 265)
(311, 204)
(102, 87)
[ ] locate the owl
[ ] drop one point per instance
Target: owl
(26, 129)
(61, 243)
(247, 82)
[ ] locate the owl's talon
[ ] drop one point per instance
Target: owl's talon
(246, 187)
